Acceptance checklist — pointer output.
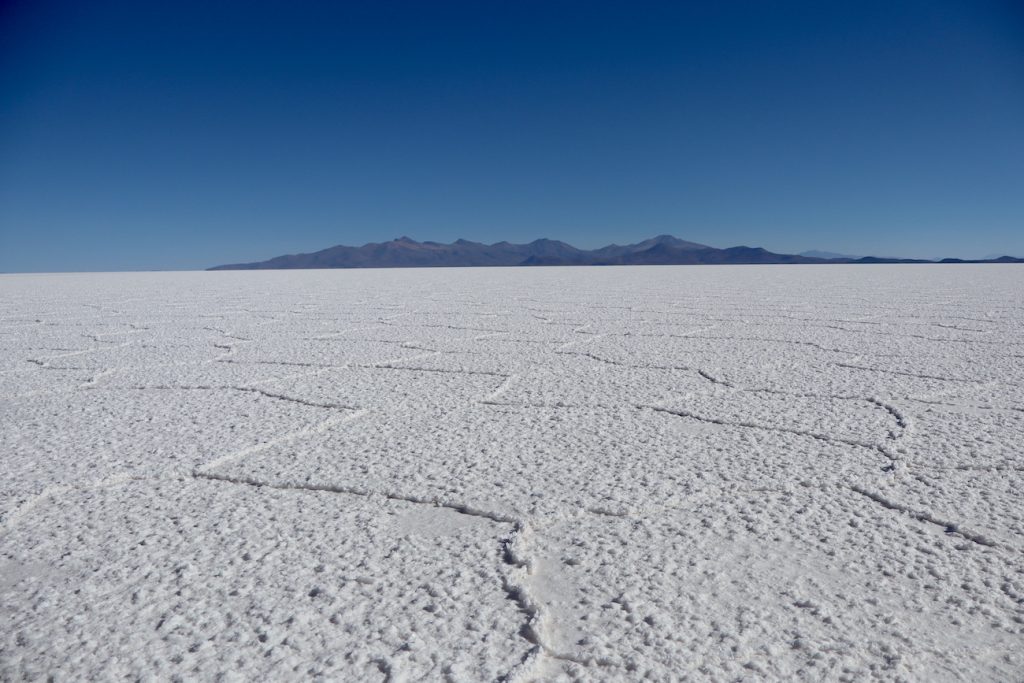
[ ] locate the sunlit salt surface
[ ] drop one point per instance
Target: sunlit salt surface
(721, 473)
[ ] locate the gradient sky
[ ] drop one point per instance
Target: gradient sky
(153, 135)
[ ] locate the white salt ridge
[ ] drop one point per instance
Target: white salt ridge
(714, 473)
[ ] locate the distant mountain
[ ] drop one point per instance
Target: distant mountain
(662, 250)
(1000, 259)
(814, 253)
(407, 253)
(614, 251)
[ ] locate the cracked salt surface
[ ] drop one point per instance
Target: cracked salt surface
(715, 473)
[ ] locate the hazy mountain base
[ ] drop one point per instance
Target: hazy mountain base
(662, 250)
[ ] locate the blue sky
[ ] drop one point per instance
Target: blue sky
(152, 135)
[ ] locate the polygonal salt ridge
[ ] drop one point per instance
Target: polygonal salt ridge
(316, 353)
(515, 583)
(823, 379)
(964, 437)
(210, 577)
(977, 501)
(479, 450)
(532, 462)
(389, 388)
(53, 339)
(25, 382)
(997, 396)
(498, 361)
(192, 373)
(667, 465)
(644, 588)
(444, 331)
(862, 338)
(139, 354)
(62, 439)
(577, 381)
(853, 420)
(702, 337)
(88, 358)
(999, 367)
(349, 387)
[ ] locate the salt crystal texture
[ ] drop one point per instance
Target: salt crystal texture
(704, 473)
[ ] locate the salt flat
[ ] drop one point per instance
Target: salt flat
(713, 473)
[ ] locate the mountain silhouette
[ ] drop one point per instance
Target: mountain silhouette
(404, 252)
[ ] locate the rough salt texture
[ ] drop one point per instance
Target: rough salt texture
(712, 473)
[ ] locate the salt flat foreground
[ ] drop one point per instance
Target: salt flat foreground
(716, 473)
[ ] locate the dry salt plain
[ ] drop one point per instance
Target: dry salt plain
(705, 473)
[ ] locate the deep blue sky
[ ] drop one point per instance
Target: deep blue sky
(140, 135)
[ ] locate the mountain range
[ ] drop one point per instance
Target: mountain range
(662, 250)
